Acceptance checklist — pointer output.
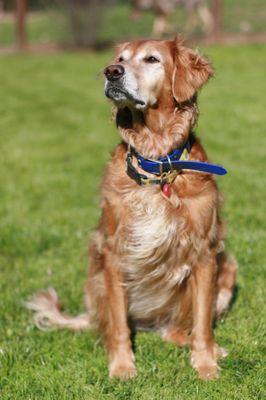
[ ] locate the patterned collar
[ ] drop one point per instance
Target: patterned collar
(167, 168)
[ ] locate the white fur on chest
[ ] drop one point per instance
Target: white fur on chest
(153, 265)
(152, 229)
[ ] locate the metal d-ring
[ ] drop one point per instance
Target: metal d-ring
(170, 163)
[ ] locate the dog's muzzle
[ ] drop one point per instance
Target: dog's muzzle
(115, 85)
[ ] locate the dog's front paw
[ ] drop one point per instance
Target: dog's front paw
(123, 371)
(208, 372)
(122, 367)
(205, 362)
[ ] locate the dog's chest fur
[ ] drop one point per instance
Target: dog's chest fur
(159, 250)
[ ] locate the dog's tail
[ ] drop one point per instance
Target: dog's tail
(227, 271)
(48, 315)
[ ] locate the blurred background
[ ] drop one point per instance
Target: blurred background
(50, 24)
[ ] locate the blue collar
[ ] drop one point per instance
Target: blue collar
(176, 161)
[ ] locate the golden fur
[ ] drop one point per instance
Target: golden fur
(155, 261)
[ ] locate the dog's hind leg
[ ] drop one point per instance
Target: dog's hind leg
(226, 281)
(179, 337)
(178, 330)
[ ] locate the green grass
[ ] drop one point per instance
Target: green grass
(55, 138)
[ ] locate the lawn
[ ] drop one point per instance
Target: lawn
(55, 137)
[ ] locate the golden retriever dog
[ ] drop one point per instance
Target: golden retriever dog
(157, 258)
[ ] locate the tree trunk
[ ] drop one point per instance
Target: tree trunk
(217, 19)
(21, 35)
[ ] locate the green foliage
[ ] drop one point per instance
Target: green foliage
(53, 24)
(244, 16)
(55, 138)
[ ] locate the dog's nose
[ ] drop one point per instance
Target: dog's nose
(114, 72)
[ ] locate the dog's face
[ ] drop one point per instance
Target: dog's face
(142, 70)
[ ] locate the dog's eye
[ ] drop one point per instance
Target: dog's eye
(120, 59)
(151, 60)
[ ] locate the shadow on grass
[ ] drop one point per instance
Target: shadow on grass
(235, 297)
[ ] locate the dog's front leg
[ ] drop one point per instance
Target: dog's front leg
(116, 331)
(204, 349)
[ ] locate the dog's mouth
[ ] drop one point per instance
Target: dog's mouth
(121, 95)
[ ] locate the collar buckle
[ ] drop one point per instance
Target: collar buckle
(169, 177)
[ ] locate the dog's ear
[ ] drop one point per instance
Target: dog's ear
(191, 71)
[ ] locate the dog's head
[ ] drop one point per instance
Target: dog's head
(144, 70)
